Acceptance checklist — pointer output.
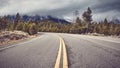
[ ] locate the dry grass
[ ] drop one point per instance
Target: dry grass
(10, 36)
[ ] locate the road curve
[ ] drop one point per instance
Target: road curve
(82, 51)
(39, 52)
(62, 59)
(91, 51)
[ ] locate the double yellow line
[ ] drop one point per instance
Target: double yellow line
(65, 59)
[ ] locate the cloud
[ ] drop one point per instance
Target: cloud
(106, 5)
(110, 15)
(61, 8)
(41, 6)
(3, 3)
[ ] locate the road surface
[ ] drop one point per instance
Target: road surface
(63, 50)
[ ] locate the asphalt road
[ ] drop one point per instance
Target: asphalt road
(83, 51)
(39, 52)
(92, 52)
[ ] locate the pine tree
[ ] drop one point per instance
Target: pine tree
(17, 20)
(19, 26)
(87, 17)
(32, 29)
(78, 21)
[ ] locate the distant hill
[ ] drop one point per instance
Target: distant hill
(38, 18)
(55, 19)
(117, 21)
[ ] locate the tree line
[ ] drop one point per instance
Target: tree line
(29, 27)
(81, 26)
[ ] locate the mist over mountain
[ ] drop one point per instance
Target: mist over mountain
(38, 18)
(62, 8)
(117, 21)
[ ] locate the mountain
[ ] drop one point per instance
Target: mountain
(55, 19)
(26, 18)
(117, 21)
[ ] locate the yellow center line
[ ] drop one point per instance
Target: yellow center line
(65, 59)
(58, 56)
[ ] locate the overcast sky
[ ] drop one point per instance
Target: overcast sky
(62, 8)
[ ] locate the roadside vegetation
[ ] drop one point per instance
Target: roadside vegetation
(8, 36)
(80, 26)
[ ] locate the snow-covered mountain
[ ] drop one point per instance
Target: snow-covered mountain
(26, 18)
(117, 21)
